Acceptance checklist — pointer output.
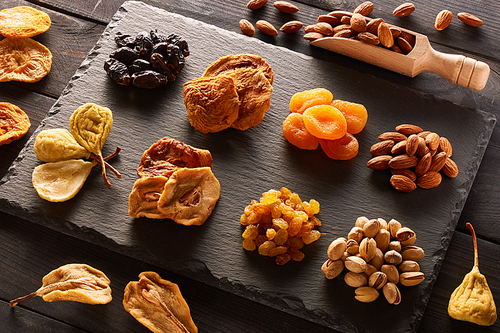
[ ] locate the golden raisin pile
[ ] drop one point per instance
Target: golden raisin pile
(279, 225)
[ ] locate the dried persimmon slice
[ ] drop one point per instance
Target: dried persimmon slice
(23, 59)
(23, 21)
(14, 123)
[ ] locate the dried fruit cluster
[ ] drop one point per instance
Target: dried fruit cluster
(377, 255)
(266, 27)
(279, 225)
(415, 157)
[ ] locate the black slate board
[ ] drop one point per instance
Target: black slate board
(249, 163)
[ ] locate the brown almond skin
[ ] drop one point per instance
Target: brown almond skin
(256, 4)
(291, 27)
(443, 20)
(399, 148)
(311, 36)
(412, 145)
(405, 172)
(385, 35)
(404, 10)
(445, 145)
(402, 183)
(408, 129)
(438, 161)
(429, 180)
(247, 28)
(379, 162)
(266, 28)
(382, 148)
(470, 19)
(323, 28)
(368, 38)
(358, 23)
(404, 45)
(332, 20)
(450, 168)
(372, 26)
(286, 7)
(423, 165)
(365, 8)
(403, 161)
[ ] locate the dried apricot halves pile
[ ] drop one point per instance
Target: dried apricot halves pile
(317, 119)
(22, 58)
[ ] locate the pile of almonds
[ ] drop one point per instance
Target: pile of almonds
(377, 255)
(415, 157)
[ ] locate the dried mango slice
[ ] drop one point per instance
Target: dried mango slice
(14, 123)
(90, 124)
(60, 181)
(143, 200)
(73, 282)
(58, 144)
(23, 21)
(190, 196)
(158, 304)
(23, 59)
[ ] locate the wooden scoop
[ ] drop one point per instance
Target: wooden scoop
(458, 69)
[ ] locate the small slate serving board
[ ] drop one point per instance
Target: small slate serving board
(250, 162)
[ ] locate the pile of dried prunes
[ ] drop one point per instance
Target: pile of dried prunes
(147, 60)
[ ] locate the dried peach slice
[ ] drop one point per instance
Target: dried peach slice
(23, 59)
(14, 123)
(23, 21)
(143, 200)
(230, 62)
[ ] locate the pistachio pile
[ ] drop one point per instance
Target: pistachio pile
(378, 255)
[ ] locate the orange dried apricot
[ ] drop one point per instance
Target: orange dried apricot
(344, 148)
(23, 21)
(23, 59)
(355, 115)
(296, 133)
(325, 122)
(305, 99)
(14, 123)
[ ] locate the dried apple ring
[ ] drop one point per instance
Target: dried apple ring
(325, 122)
(296, 133)
(344, 148)
(14, 123)
(355, 115)
(23, 59)
(23, 21)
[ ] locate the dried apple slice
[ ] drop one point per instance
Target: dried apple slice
(14, 123)
(60, 181)
(23, 21)
(143, 200)
(23, 59)
(58, 144)
(190, 196)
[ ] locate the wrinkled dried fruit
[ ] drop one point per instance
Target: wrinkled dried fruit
(190, 195)
(296, 133)
(158, 304)
(23, 59)
(231, 62)
(14, 123)
(143, 200)
(472, 300)
(73, 282)
(58, 144)
(23, 21)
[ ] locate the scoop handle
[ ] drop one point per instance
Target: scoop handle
(459, 69)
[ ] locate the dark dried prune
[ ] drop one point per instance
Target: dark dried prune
(162, 48)
(148, 79)
(124, 40)
(156, 37)
(161, 66)
(143, 43)
(125, 55)
(117, 71)
(139, 65)
(180, 42)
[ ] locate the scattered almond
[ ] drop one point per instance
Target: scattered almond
(394, 136)
(247, 28)
(365, 8)
(256, 4)
(402, 183)
(470, 19)
(266, 28)
(291, 27)
(404, 10)
(443, 19)
(286, 7)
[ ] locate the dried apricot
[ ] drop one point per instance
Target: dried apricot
(325, 122)
(23, 59)
(23, 21)
(344, 148)
(296, 133)
(305, 99)
(14, 123)
(355, 115)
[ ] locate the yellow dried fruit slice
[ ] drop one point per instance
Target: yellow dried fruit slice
(23, 59)
(23, 21)
(60, 181)
(143, 200)
(14, 123)
(58, 144)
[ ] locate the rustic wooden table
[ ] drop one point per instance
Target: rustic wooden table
(28, 251)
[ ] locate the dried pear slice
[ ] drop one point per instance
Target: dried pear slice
(23, 59)
(212, 103)
(143, 200)
(190, 196)
(90, 124)
(158, 304)
(23, 21)
(61, 181)
(58, 144)
(73, 282)
(14, 123)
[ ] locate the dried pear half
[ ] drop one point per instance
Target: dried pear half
(14, 123)
(143, 200)
(158, 304)
(23, 21)
(472, 300)
(23, 59)
(58, 144)
(190, 196)
(90, 124)
(212, 103)
(61, 181)
(73, 282)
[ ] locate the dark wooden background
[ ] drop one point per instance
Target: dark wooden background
(29, 251)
